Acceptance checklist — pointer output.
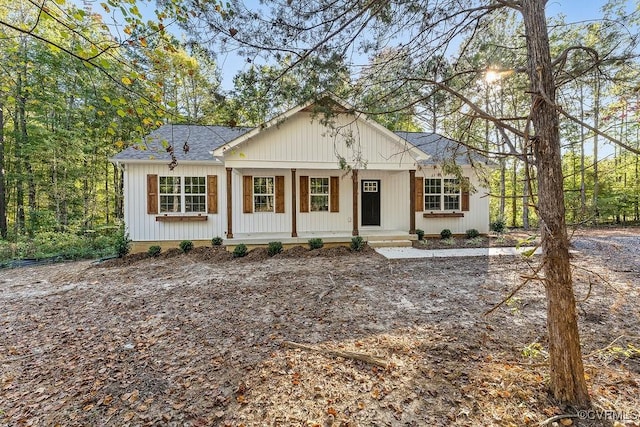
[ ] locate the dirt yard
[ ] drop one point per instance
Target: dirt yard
(202, 339)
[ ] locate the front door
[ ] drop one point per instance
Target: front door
(370, 202)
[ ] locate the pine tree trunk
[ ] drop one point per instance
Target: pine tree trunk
(514, 194)
(3, 188)
(20, 217)
(596, 179)
(568, 384)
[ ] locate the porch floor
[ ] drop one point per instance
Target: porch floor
(376, 238)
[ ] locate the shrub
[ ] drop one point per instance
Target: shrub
(186, 246)
(498, 225)
(240, 250)
(316, 243)
(420, 234)
(216, 241)
(154, 250)
(122, 244)
(274, 248)
(358, 244)
(446, 234)
(472, 233)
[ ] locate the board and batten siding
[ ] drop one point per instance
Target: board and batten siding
(476, 217)
(142, 226)
(325, 222)
(303, 142)
(394, 199)
(251, 224)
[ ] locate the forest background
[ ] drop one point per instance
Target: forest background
(80, 82)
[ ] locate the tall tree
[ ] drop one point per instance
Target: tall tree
(426, 30)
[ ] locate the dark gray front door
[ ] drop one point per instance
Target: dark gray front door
(370, 201)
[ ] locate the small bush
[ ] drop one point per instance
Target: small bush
(274, 248)
(154, 250)
(240, 250)
(216, 241)
(122, 244)
(358, 244)
(475, 241)
(420, 234)
(186, 246)
(498, 225)
(446, 234)
(449, 241)
(316, 243)
(472, 233)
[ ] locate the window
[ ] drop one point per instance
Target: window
(170, 194)
(319, 193)
(263, 194)
(441, 194)
(183, 194)
(370, 187)
(195, 194)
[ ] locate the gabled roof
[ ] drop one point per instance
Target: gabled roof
(201, 140)
(338, 105)
(440, 148)
(205, 143)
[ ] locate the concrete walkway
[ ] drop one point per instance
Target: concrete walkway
(400, 253)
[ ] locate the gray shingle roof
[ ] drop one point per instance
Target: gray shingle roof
(200, 139)
(441, 148)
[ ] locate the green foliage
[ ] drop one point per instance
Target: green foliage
(420, 233)
(475, 241)
(449, 241)
(216, 241)
(186, 246)
(68, 246)
(498, 225)
(446, 234)
(154, 251)
(274, 248)
(472, 233)
(122, 244)
(240, 250)
(533, 350)
(316, 243)
(358, 244)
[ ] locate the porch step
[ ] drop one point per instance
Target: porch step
(390, 243)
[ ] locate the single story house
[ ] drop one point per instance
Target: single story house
(303, 174)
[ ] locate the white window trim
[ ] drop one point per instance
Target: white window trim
(273, 205)
(327, 194)
(182, 194)
(442, 194)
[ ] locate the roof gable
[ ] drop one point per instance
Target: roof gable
(317, 109)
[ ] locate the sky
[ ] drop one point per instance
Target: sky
(574, 11)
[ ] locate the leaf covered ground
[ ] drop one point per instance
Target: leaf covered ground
(199, 339)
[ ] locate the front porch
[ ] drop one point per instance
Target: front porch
(375, 238)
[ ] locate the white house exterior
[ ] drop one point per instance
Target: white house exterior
(282, 181)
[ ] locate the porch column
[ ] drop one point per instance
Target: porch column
(229, 205)
(294, 213)
(354, 176)
(412, 202)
